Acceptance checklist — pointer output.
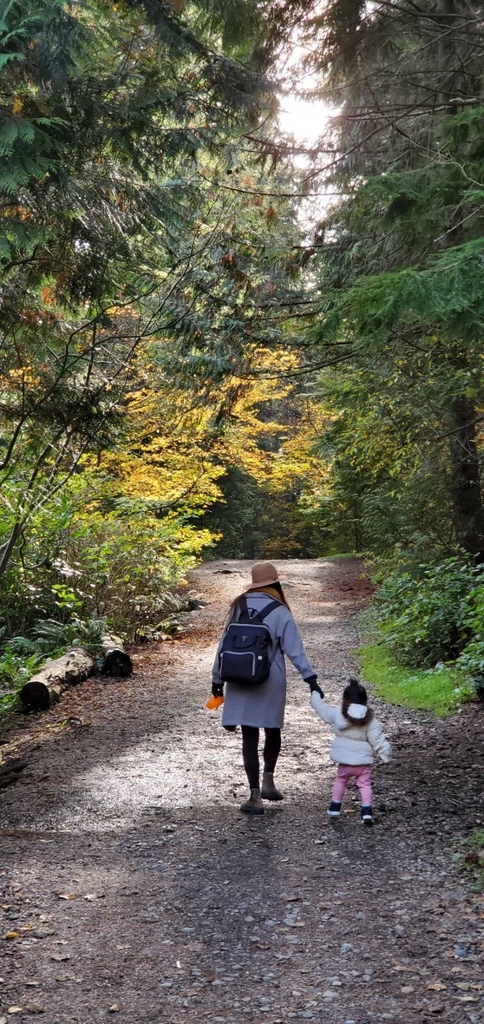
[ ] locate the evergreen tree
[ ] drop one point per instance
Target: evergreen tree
(399, 256)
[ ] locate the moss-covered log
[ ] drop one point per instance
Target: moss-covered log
(116, 661)
(46, 686)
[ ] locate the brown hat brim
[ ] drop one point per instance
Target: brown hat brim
(263, 583)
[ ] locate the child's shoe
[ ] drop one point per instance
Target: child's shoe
(334, 809)
(367, 815)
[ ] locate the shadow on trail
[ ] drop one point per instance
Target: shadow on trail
(132, 881)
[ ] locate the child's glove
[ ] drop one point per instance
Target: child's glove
(312, 682)
(217, 689)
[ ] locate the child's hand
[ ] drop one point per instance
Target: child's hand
(217, 689)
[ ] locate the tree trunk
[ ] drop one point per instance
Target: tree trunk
(7, 548)
(448, 49)
(46, 686)
(116, 661)
(466, 485)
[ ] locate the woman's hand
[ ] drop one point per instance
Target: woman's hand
(312, 682)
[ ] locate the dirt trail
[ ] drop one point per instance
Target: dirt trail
(135, 890)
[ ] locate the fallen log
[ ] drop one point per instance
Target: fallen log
(115, 661)
(46, 686)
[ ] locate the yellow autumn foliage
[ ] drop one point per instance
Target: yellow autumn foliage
(175, 450)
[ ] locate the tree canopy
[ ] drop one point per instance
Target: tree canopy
(204, 318)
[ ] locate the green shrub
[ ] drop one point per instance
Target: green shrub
(19, 659)
(127, 570)
(471, 658)
(431, 616)
(124, 570)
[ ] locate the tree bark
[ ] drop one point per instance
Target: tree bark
(447, 52)
(46, 686)
(7, 548)
(116, 661)
(466, 484)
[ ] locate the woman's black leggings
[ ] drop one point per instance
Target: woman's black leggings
(250, 751)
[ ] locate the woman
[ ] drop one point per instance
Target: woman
(262, 705)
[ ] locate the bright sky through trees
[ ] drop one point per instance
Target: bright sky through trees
(307, 120)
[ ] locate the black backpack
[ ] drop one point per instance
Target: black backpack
(245, 651)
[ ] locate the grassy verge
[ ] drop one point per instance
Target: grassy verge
(440, 690)
(341, 554)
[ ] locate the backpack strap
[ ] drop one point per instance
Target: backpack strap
(262, 615)
(258, 616)
(269, 608)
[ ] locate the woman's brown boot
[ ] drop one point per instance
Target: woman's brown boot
(254, 804)
(269, 791)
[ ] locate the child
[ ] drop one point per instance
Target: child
(358, 736)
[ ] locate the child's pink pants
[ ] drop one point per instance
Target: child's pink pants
(362, 774)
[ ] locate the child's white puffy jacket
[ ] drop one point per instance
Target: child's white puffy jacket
(353, 744)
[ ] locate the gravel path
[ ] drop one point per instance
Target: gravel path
(135, 891)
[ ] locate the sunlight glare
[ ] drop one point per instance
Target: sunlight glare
(305, 119)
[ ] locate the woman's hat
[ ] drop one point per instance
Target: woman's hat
(264, 574)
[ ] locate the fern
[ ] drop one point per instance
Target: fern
(14, 131)
(52, 636)
(9, 133)
(5, 58)
(5, 248)
(7, 7)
